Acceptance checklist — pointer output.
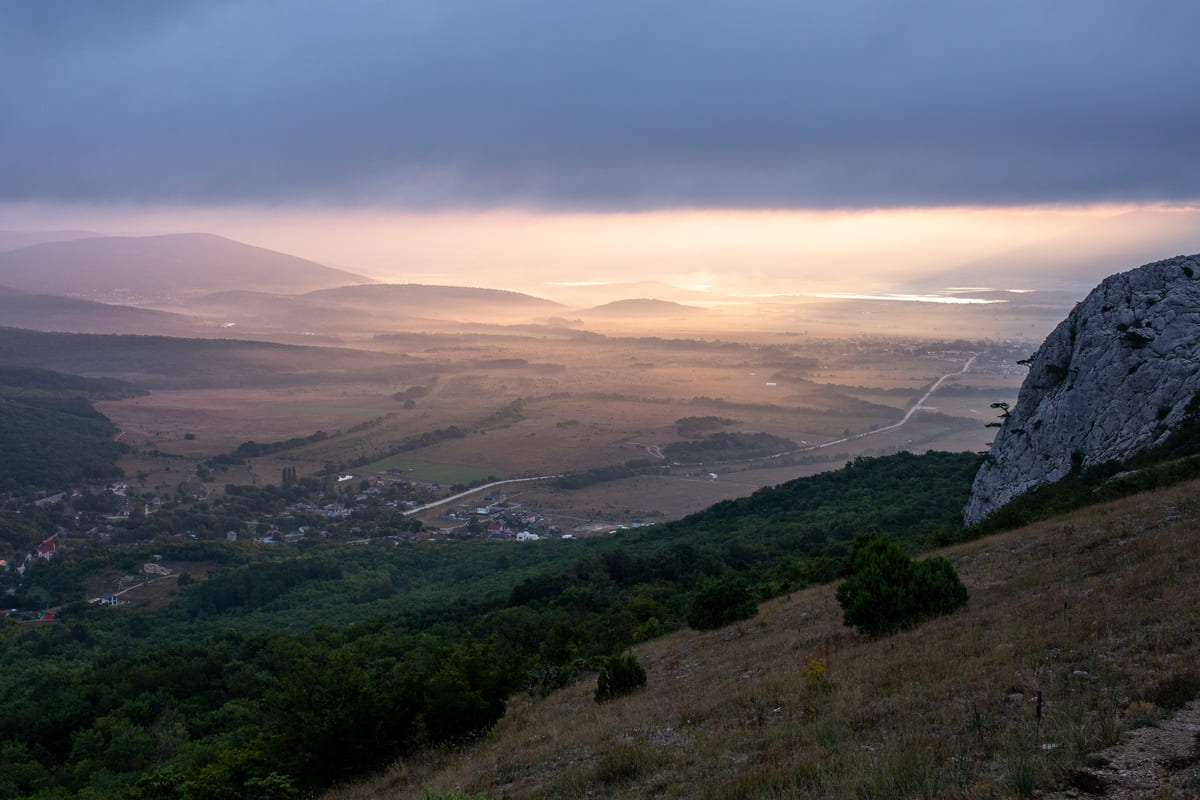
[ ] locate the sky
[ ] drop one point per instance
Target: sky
(854, 143)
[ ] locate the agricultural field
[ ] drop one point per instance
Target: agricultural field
(466, 409)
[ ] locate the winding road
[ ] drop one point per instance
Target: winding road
(469, 492)
(907, 416)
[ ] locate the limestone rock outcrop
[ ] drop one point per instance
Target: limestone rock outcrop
(1112, 379)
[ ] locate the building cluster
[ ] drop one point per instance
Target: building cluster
(502, 520)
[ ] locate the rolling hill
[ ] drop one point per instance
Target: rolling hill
(45, 312)
(51, 436)
(584, 295)
(370, 308)
(457, 302)
(161, 362)
(640, 309)
(151, 270)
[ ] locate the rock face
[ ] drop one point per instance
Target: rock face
(1113, 378)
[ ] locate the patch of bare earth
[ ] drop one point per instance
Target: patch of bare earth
(1157, 761)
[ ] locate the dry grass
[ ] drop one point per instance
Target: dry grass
(609, 402)
(1094, 614)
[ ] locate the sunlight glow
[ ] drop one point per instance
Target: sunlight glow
(910, 298)
(723, 251)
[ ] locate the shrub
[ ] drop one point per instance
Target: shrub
(888, 591)
(721, 602)
(619, 676)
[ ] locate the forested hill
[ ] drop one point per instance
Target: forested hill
(909, 496)
(347, 657)
(32, 379)
(51, 437)
(165, 362)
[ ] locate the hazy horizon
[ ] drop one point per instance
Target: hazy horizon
(715, 252)
(766, 148)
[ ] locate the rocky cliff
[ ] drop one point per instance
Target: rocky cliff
(1113, 378)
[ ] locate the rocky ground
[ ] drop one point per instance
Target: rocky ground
(1157, 761)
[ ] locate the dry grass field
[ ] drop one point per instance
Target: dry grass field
(1079, 630)
(585, 402)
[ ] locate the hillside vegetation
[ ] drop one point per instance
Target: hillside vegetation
(1078, 629)
(284, 672)
(281, 671)
(162, 362)
(51, 437)
(313, 666)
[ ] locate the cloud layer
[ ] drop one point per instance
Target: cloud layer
(622, 104)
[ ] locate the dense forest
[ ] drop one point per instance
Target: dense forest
(276, 672)
(281, 674)
(286, 671)
(50, 433)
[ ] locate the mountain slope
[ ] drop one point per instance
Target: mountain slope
(155, 269)
(45, 312)
(1071, 638)
(11, 240)
(51, 437)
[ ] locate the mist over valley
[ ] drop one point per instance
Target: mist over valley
(738, 401)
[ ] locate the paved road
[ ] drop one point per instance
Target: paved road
(908, 415)
(469, 492)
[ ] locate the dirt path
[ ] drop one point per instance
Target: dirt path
(1161, 762)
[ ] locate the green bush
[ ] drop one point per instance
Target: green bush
(721, 602)
(887, 590)
(619, 676)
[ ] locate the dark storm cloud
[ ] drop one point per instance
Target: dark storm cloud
(609, 104)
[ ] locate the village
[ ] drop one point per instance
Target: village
(351, 510)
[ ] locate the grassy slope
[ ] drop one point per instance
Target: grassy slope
(1095, 611)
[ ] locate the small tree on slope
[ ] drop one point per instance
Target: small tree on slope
(887, 590)
(619, 676)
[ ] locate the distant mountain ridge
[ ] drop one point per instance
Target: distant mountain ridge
(46, 312)
(1113, 379)
(161, 269)
(376, 308)
(587, 295)
(641, 307)
(12, 240)
(390, 293)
